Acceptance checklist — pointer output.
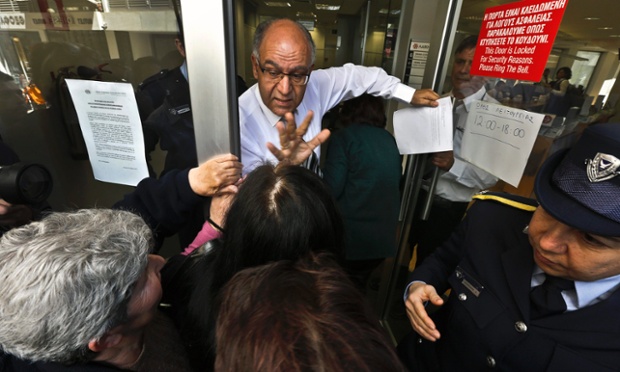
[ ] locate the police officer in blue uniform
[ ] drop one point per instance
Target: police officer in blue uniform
(533, 287)
(165, 109)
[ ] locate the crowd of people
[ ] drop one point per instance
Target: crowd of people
(274, 275)
(547, 96)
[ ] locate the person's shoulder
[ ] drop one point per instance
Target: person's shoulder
(510, 201)
(153, 79)
(160, 77)
(248, 98)
(249, 107)
(366, 130)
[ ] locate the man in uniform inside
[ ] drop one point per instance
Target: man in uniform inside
(458, 179)
(165, 110)
(534, 287)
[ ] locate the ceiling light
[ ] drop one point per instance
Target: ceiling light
(279, 4)
(614, 35)
(392, 12)
(305, 15)
(474, 18)
(591, 18)
(605, 28)
(327, 7)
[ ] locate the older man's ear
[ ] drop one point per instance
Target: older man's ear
(107, 341)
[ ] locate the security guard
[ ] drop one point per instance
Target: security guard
(165, 109)
(533, 288)
(154, 89)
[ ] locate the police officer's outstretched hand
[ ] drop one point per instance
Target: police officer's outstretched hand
(419, 294)
(217, 175)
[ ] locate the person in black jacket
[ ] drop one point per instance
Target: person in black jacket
(507, 252)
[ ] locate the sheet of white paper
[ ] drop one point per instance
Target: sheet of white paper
(110, 123)
(420, 130)
(499, 139)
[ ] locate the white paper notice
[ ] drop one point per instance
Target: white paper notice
(420, 130)
(499, 139)
(112, 130)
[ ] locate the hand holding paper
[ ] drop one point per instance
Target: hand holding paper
(420, 130)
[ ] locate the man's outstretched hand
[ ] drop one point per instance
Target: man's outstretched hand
(293, 149)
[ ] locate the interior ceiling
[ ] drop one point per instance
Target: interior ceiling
(574, 30)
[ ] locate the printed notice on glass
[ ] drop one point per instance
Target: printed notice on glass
(420, 130)
(499, 139)
(112, 130)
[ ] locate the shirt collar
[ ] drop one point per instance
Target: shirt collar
(183, 69)
(599, 290)
(478, 96)
(271, 117)
(587, 293)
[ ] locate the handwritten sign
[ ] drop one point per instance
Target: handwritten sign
(499, 139)
(515, 39)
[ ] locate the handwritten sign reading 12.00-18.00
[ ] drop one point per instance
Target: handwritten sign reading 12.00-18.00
(499, 139)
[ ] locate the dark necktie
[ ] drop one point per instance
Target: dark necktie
(546, 299)
(456, 115)
(312, 163)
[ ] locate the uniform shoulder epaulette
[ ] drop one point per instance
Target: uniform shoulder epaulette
(515, 201)
(153, 78)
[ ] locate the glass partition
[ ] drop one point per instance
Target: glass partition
(42, 43)
(567, 108)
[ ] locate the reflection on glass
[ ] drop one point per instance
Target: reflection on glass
(42, 43)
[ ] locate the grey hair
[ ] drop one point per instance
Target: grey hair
(67, 280)
(261, 29)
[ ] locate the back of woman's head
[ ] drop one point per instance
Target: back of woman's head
(280, 212)
(303, 315)
(568, 73)
(364, 109)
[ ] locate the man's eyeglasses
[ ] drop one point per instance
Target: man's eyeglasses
(275, 76)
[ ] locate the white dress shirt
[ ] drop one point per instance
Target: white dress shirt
(464, 179)
(326, 88)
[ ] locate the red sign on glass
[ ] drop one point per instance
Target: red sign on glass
(515, 39)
